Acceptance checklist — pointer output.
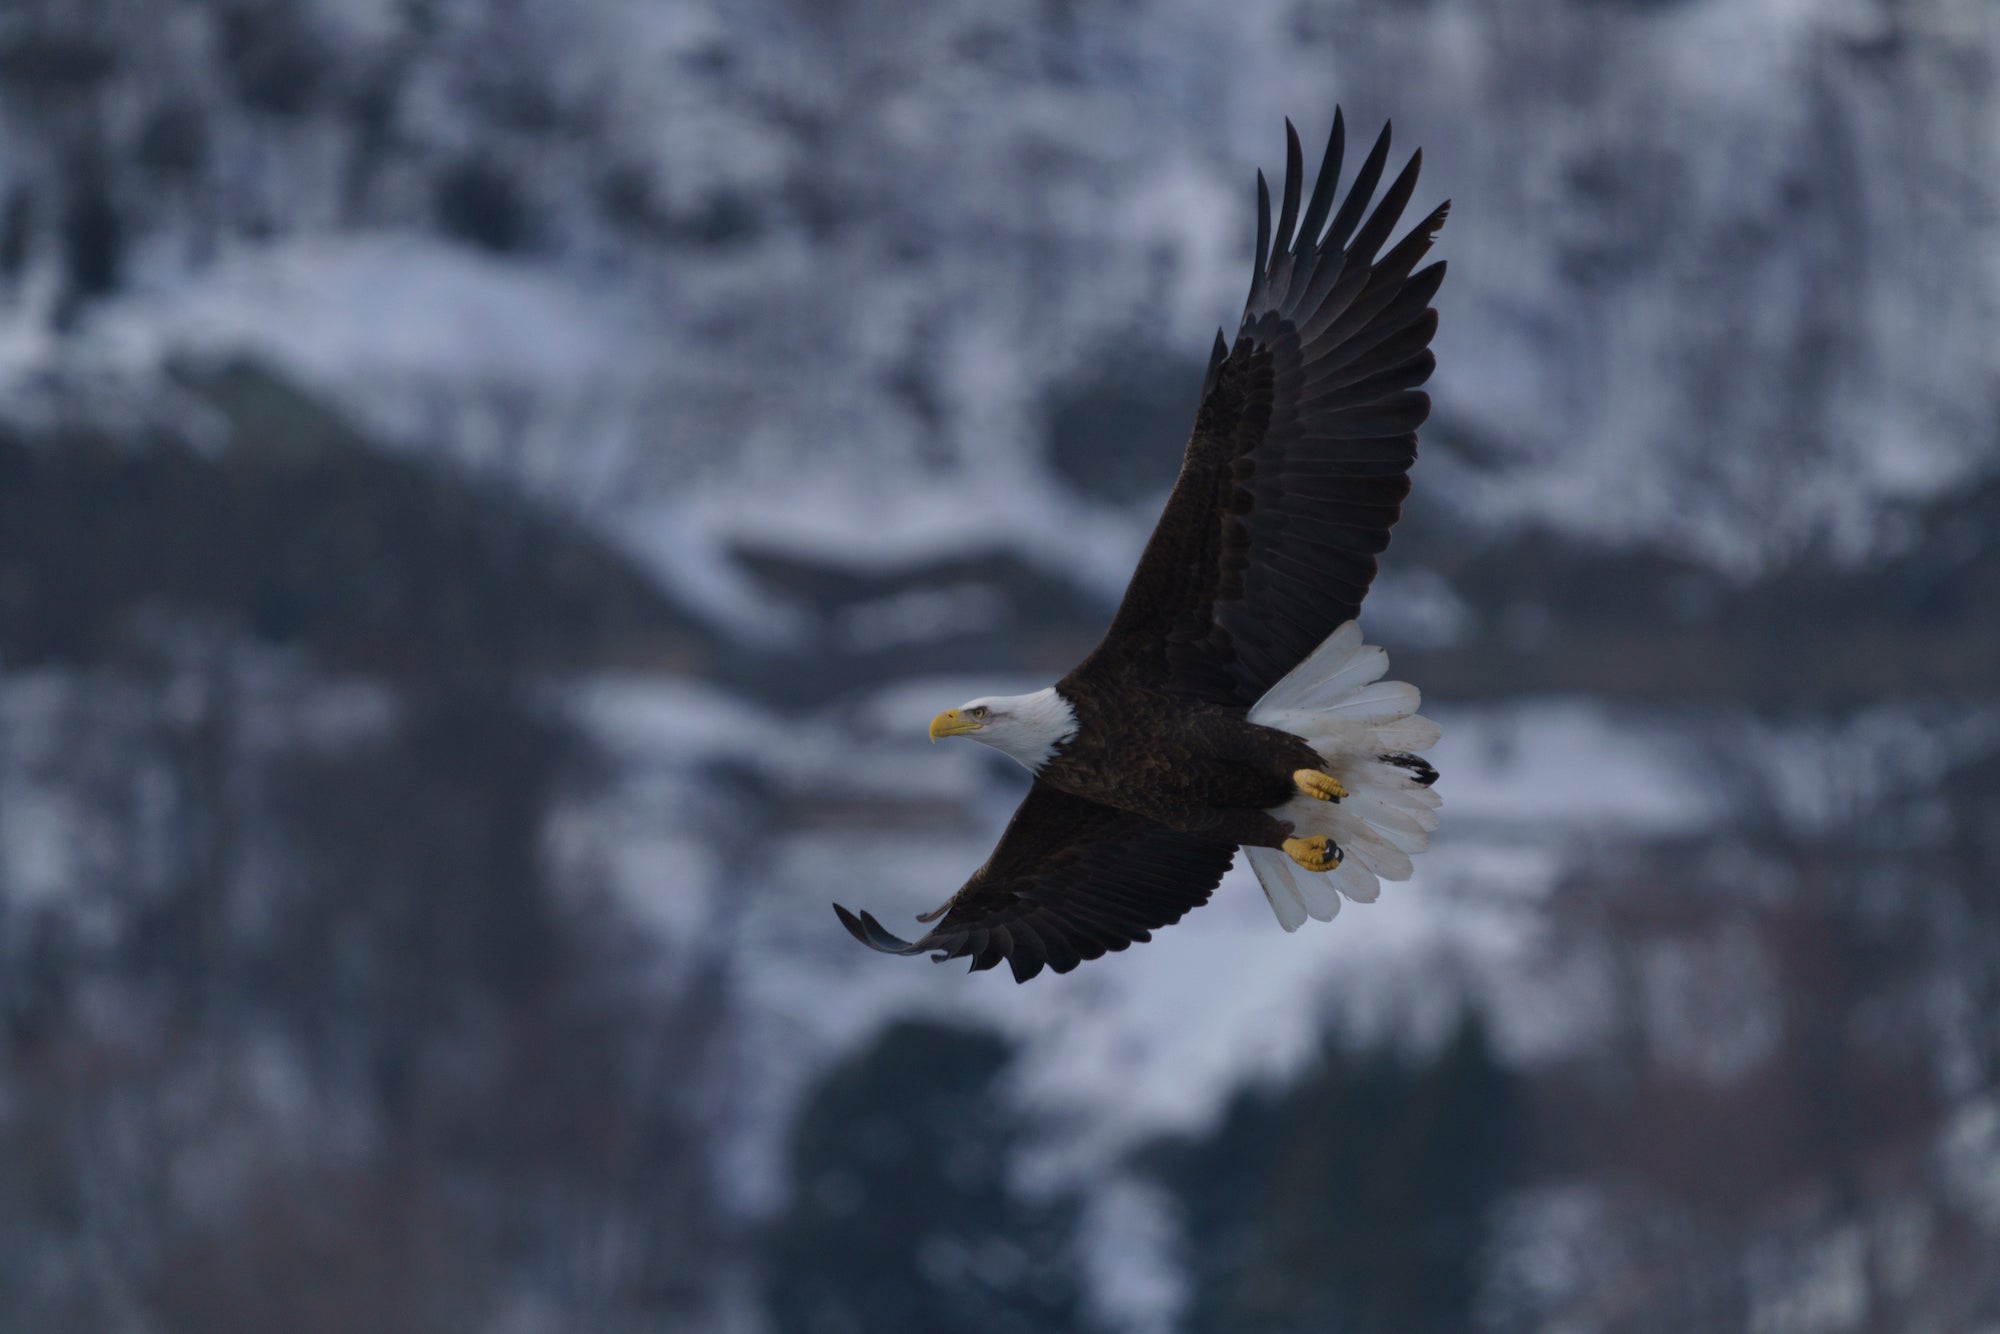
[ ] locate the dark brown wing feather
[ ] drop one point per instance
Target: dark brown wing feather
(1299, 459)
(1069, 880)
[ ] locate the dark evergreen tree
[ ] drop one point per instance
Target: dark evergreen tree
(93, 236)
(902, 1217)
(1353, 1201)
(478, 201)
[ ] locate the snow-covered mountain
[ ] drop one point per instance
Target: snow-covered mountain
(1722, 273)
(489, 493)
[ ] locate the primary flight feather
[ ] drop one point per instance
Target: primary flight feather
(1233, 703)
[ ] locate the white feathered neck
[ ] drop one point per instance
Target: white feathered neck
(1028, 727)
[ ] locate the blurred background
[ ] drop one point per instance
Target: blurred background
(492, 493)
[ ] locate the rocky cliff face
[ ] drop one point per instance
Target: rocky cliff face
(1721, 276)
(489, 493)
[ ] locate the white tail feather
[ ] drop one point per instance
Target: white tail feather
(1357, 882)
(1366, 666)
(1336, 701)
(1408, 734)
(1281, 888)
(1294, 892)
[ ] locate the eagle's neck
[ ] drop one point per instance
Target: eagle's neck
(1036, 727)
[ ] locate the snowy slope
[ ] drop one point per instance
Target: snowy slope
(1720, 271)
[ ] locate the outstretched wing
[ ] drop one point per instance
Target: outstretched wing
(1300, 455)
(1069, 880)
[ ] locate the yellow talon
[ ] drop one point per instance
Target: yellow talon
(1316, 784)
(1315, 854)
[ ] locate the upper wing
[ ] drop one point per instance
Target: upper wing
(1068, 880)
(1298, 463)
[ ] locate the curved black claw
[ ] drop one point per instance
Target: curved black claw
(1318, 853)
(1420, 770)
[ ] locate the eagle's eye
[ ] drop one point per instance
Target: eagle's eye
(979, 711)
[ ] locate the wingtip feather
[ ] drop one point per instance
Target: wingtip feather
(1288, 210)
(1258, 261)
(1216, 356)
(1324, 185)
(872, 933)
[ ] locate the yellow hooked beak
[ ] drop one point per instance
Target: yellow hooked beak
(952, 723)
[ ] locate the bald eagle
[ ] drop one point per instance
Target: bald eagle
(1233, 703)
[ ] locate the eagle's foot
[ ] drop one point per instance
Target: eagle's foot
(1315, 854)
(1316, 784)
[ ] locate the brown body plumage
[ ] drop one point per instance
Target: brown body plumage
(1199, 769)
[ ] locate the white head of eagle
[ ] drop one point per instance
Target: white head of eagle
(1028, 727)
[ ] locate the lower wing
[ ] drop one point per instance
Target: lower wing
(1069, 880)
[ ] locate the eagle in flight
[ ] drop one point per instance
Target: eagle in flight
(1233, 703)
